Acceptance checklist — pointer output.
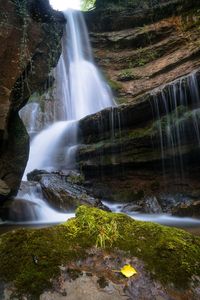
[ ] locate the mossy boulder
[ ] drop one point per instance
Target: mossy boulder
(31, 258)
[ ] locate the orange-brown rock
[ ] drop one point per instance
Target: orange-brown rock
(30, 33)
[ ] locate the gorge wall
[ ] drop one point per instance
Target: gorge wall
(151, 58)
(30, 34)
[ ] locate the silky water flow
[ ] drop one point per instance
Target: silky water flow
(80, 90)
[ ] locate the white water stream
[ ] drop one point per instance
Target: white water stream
(81, 91)
(163, 219)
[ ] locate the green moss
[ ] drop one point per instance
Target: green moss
(121, 100)
(31, 258)
(143, 56)
(141, 132)
(127, 75)
(175, 119)
(115, 86)
(122, 137)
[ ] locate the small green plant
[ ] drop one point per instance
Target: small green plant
(145, 56)
(108, 233)
(115, 86)
(105, 231)
(127, 75)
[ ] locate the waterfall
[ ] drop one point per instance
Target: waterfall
(44, 152)
(176, 109)
(81, 91)
(30, 207)
(80, 85)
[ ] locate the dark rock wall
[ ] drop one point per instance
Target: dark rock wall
(143, 53)
(114, 15)
(142, 63)
(30, 34)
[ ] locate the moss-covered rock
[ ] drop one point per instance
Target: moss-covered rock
(31, 258)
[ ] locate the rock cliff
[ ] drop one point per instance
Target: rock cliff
(30, 34)
(150, 55)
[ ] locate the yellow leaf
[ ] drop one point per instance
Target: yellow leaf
(128, 271)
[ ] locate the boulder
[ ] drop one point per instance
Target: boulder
(82, 259)
(18, 210)
(35, 174)
(131, 207)
(152, 205)
(64, 195)
(26, 206)
(187, 210)
(4, 190)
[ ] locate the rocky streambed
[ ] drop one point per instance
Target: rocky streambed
(82, 258)
(53, 197)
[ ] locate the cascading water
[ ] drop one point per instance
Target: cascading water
(81, 91)
(44, 152)
(176, 109)
(29, 115)
(78, 81)
(30, 207)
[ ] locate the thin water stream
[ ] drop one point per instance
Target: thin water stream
(176, 110)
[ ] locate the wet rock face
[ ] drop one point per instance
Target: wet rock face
(18, 210)
(30, 47)
(63, 192)
(149, 57)
(133, 13)
(148, 191)
(153, 129)
(4, 190)
(187, 210)
(22, 208)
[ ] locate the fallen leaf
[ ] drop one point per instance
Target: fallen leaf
(128, 271)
